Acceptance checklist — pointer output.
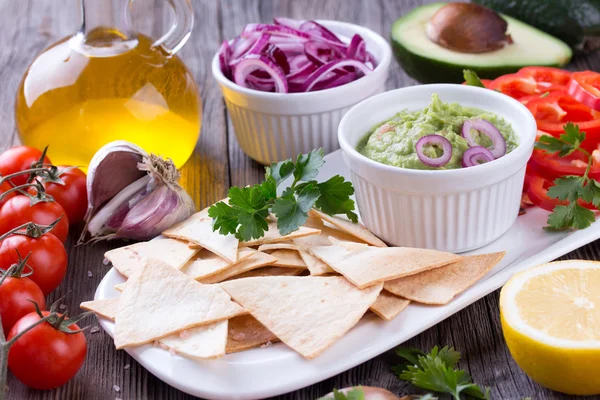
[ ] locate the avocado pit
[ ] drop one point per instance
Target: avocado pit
(468, 28)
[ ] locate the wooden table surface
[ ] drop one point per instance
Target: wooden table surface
(28, 26)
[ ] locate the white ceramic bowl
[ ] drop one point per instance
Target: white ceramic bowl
(276, 126)
(453, 210)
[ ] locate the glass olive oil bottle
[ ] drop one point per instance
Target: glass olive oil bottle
(109, 83)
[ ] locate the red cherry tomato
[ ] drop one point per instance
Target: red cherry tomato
(555, 110)
(72, 196)
(45, 357)
(17, 211)
(48, 258)
(15, 296)
(585, 87)
(547, 78)
(17, 159)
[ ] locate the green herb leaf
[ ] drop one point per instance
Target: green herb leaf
(590, 193)
(225, 218)
(472, 79)
(567, 143)
(280, 171)
(571, 216)
(251, 226)
(437, 371)
(307, 165)
(335, 197)
(353, 394)
(566, 188)
(292, 211)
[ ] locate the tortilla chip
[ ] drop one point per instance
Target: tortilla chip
(375, 265)
(198, 343)
(206, 263)
(441, 285)
(198, 229)
(159, 300)
(307, 313)
(201, 342)
(106, 308)
(119, 287)
(322, 239)
(245, 332)
(314, 265)
(256, 260)
(272, 235)
(388, 306)
(288, 259)
(357, 230)
(129, 258)
(278, 246)
(270, 271)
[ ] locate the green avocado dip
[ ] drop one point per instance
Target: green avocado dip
(393, 142)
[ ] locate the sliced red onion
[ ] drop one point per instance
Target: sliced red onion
(224, 59)
(323, 70)
(255, 62)
(260, 44)
(279, 56)
(275, 30)
(438, 141)
(474, 156)
(319, 53)
(498, 148)
(336, 80)
(357, 49)
(241, 44)
(292, 23)
(317, 29)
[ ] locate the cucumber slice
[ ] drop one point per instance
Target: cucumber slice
(428, 62)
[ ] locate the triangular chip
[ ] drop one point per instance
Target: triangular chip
(314, 265)
(106, 308)
(327, 231)
(198, 229)
(129, 258)
(440, 285)
(307, 313)
(207, 341)
(206, 263)
(270, 271)
(288, 259)
(388, 306)
(245, 332)
(198, 343)
(379, 264)
(159, 300)
(256, 260)
(357, 230)
(278, 246)
(272, 235)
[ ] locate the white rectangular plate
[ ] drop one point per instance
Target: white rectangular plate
(271, 371)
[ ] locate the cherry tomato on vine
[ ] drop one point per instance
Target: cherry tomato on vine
(18, 211)
(48, 258)
(5, 187)
(15, 295)
(17, 159)
(72, 196)
(46, 357)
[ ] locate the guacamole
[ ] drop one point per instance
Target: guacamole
(393, 142)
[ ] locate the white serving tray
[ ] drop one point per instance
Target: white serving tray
(275, 370)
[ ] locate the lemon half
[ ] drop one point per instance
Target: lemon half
(551, 321)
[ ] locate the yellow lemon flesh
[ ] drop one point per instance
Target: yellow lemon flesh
(551, 321)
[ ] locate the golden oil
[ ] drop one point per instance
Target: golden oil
(75, 101)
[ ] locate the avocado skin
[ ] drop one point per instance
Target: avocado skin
(572, 21)
(426, 70)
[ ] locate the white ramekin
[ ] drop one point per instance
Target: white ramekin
(452, 210)
(276, 126)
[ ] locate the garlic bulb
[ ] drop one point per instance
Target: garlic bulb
(133, 194)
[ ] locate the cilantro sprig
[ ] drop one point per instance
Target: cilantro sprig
(471, 78)
(245, 214)
(437, 371)
(571, 188)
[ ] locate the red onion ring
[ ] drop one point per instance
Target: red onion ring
(498, 147)
(324, 69)
(434, 140)
(475, 156)
(256, 62)
(317, 29)
(357, 49)
(224, 58)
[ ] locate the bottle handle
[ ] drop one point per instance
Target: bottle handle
(181, 30)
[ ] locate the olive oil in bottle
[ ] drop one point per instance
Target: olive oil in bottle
(108, 83)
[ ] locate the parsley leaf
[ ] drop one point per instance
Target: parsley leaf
(353, 394)
(335, 197)
(246, 212)
(590, 193)
(564, 145)
(437, 371)
(571, 216)
(307, 165)
(472, 79)
(566, 188)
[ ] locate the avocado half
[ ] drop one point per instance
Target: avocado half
(429, 62)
